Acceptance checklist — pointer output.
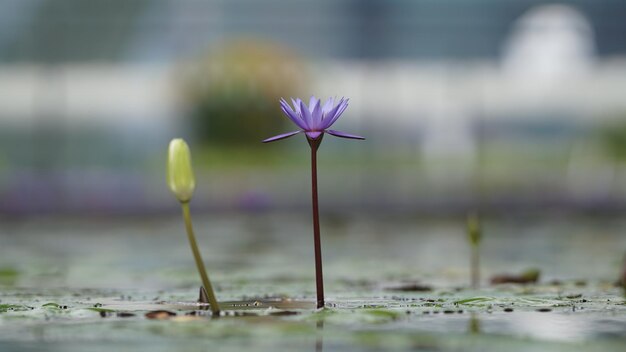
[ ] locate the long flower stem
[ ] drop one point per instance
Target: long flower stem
(316, 229)
(215, 308)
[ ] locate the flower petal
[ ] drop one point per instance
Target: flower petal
(296, 104)
(281, 136)
(306, 116)
(316, 116)
(312, 103)
(328, 105)
(329, 117)
(292, 115)
(341, 107)
(343, 134)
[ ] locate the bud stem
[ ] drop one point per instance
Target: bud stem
(215, 308)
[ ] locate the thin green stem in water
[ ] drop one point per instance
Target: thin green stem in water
(215, 308)
(474, 233)
(475, 266)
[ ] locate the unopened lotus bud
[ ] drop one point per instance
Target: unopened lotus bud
(180, 177)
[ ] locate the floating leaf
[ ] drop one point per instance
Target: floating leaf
(474, 301)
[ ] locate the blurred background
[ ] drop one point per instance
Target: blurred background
(495, 105)
(512, 109)
(515, 110)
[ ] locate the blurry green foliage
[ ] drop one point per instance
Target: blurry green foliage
(8, 276)
(613, 137)
(233, 91)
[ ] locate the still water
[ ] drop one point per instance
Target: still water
(370, 263)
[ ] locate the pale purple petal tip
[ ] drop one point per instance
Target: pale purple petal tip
(328, 106)
(306, 116)
(334, 113)
(312, 102)
(313, 135)
(293, 116)
(343, 134)
(340, 108)
(281, 136)
(316, 116)
(296, 104)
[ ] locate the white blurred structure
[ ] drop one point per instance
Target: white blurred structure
(549, 60)
(549, 44)
(547, 64)
(94, 94)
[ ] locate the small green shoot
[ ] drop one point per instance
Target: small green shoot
(622, 278)
(474, 235)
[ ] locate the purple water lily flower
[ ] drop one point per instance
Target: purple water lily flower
(315, 119)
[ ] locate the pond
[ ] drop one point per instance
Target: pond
(396, 283)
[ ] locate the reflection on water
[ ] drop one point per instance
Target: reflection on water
(551, 326)
(319, 340)
(474, 324)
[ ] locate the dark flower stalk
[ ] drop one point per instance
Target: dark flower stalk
(317, 242)
(314, 120)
